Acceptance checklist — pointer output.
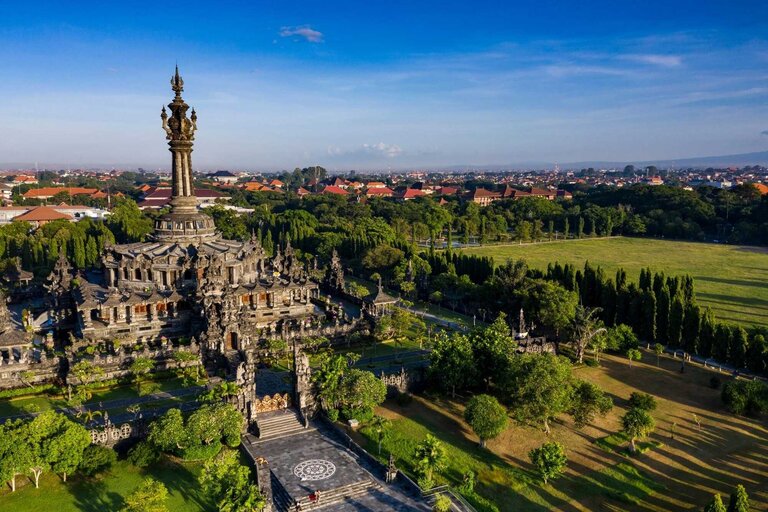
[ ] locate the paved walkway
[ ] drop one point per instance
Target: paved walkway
(122, 403)
(319, 460)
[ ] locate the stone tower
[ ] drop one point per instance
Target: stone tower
(184, 223)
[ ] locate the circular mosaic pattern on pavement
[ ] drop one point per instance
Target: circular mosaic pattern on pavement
(314, 469)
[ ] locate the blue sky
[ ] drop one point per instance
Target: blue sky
(377, 85)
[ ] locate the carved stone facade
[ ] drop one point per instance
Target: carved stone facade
(186, 288)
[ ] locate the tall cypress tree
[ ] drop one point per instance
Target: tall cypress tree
(648, 325)
(757, 354)
(676, 316)
(722, 341)
(662, 313)
(691, 328)
(707, 333)
(738, 347)
(608, 301)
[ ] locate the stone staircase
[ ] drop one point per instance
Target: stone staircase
(278, 424)
(329, 498)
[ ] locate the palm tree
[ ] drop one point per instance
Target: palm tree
(380, 427)
(585, 327)
(88, 415)
(430, 457)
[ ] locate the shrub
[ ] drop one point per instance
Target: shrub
(443, 504)
(748, 397)
(333, 414)
(97, 459)
(642, 401)
(549, 459)
(143, 454)
(201, 452)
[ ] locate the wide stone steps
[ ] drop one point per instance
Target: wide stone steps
(338, 495)
(279, 424)
(280, 498)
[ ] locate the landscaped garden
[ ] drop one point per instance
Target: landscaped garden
(107, 492)
(729, 278)
(672, 473)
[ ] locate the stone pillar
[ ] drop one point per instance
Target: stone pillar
(264, 482)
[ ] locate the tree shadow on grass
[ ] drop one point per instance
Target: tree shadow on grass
(178, 479)
(93, 495)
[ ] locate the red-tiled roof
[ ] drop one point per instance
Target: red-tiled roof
(481, 192)
(42, 213)
(333, 189)
(410, 193)
(52, 191)
(379, 191)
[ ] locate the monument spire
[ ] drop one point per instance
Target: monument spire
(184, 221)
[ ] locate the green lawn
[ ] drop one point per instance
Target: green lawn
(103, 494)
(509, 487)
(39, 403)
(729, 279)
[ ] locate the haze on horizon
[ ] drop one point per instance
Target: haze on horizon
(360, 85)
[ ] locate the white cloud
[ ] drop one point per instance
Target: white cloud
(305, 31)
(378, 150)
(388, 150)
(664, 61)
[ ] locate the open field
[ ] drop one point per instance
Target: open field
(106, 493)
(732, 280)
(673, 475)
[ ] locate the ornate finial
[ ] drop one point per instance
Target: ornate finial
(177, 84)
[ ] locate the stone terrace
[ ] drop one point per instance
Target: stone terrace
(316, 460)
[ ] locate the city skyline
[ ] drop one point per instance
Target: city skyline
(350, 86)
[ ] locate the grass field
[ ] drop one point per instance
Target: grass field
(106, 493)
(732, 280)
(672, 475)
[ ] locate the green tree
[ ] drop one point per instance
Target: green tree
(168, 432)
(585, 326)
(64, 449)
(642, 401)
(15, 451)
(452, 363)
(739, 500)
(676, 319)
(150, 496)
(550, 460)
(430, 458)
(381, 428)
(551, 303)
(658, 348)
(139, 368)
(634, 354)
(539, 387)
(128, 223)
(636, 424)
(97, 459)
(748, 397)
(588, 401)
(716, 505)
(361, 393)
(486, 416)
(229, 484)
(493, 347)
(739, 343)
